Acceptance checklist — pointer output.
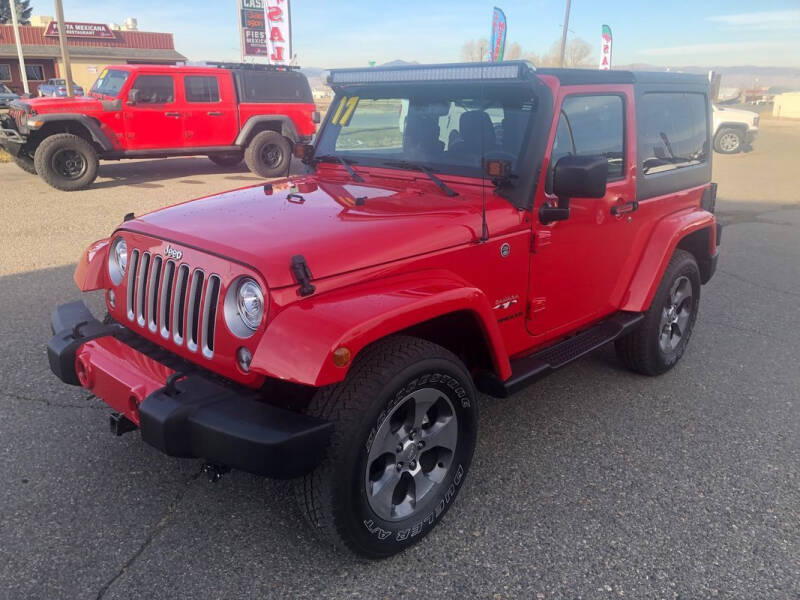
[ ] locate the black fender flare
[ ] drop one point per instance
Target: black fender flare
(288, 130)
(97, 134)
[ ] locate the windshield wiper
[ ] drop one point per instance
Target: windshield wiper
(346, 164)
(403, 164)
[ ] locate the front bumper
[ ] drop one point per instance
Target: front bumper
(180, 411)
(11, 140)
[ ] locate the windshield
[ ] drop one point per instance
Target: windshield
(4, 89)
(110, 82)
(59, 81)
(447, 129)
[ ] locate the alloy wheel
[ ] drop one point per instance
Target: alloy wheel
(411, 454)
(676, 315)
(69, 163)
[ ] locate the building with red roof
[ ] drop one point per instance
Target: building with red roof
(92, 47)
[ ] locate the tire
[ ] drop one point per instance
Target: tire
(67, 162)
(268, 154)
(652, 349)
(226, 160)
(387, 383)
(728, 141)
(25, 162)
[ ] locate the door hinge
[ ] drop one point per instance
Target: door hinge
(541, 239)
(536, 305)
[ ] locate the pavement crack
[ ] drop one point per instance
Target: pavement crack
(159, 527)
(50, 403)
(748, 330)
(758, 285)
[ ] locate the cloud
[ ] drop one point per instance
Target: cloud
(714, 48)
(759, 20)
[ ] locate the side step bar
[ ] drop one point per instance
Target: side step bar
(533, 367)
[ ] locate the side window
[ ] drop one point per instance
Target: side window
(592, 125)
(673, 131)
(201, 89)
(154, 89)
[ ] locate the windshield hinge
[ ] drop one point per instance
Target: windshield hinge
(303, 275)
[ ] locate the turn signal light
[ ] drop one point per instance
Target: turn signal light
(341, 357)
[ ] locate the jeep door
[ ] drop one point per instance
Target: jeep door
(211, 115)
(153, 116)
(581, 266)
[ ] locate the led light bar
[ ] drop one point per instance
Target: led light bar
(412, 74)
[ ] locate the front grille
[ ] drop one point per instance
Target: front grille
(175, 300)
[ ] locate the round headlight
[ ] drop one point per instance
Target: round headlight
(244, 307)
(118, 260)
(250, 302)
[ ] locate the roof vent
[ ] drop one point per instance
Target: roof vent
(130, 24)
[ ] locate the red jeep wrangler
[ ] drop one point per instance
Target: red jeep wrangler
(460, 227)
(228, 112)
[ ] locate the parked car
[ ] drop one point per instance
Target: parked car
(335, 326)
(734, 129)
(6, 96)
(57, 88)
(228, 112)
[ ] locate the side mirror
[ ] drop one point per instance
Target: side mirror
(304, 152)
(575, 177)
(133, 97)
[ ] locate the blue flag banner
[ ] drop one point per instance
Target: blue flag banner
(497, 45)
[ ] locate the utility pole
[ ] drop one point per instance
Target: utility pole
(564, 35)
(62, 39)
(15, 22)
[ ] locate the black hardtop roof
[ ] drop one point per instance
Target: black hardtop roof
(596, 76)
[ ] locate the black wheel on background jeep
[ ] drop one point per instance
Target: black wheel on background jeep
(67, 162)
(226, 160)
(728, 140)
(405, 424)
(25, 162)
(657, 345)
(268, 154)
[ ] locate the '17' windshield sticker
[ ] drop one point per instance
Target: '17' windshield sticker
(345, 110)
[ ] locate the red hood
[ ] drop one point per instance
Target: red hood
(79, 104)
(329, 227)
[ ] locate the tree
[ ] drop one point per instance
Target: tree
(24, 10)
(514, 52)
(475, 50)
(577, 55)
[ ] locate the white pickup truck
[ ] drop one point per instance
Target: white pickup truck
(734, 129)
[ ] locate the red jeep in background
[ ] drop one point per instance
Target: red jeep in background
(229, 112)
(460, 228)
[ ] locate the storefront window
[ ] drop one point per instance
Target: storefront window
(5, 72)
(34, 72)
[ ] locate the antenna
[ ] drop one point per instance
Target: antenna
(484, 225)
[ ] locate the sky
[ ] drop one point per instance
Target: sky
(331, 33)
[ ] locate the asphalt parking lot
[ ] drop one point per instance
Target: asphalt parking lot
(595, 483)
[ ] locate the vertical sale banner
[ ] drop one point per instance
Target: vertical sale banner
(605, 49)
(497, 45)
(279, 31)
(253, 31)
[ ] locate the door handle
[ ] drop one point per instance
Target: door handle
(172, 114)
(214, 113)
(623, 208)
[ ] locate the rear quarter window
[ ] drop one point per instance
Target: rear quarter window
(673, 138)
(273, 86)
(673, 131)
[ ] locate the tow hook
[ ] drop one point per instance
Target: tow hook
(120, 424)
(214, 472)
